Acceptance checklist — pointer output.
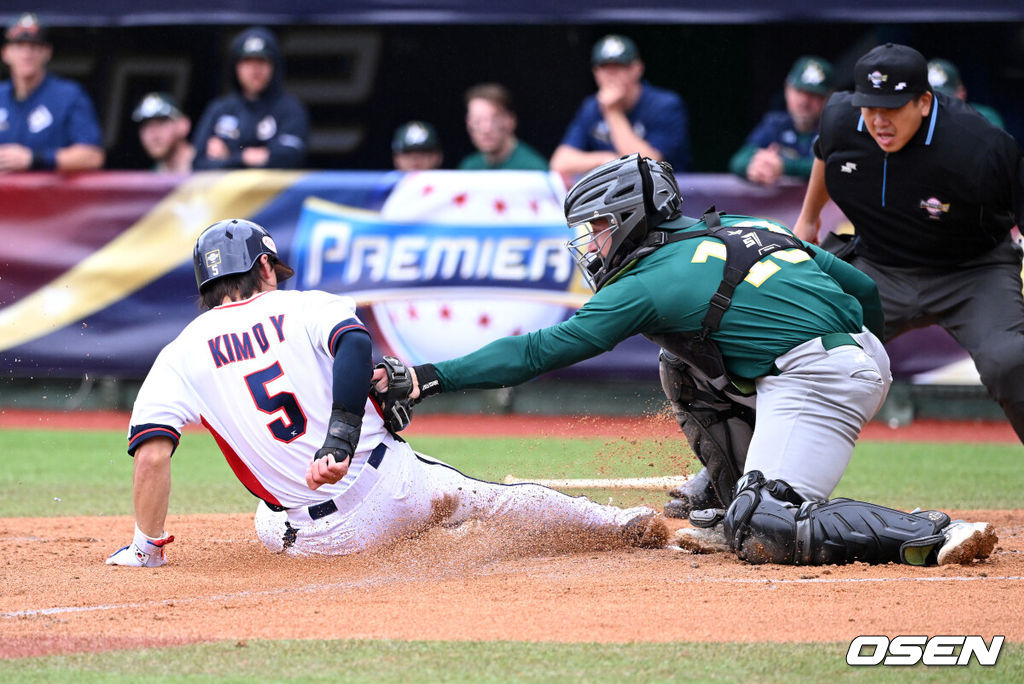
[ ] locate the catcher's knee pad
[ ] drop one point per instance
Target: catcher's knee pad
(720, 441)
(676, 382)
(768, 523)
(717, 429)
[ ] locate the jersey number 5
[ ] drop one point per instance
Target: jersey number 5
(285, 431)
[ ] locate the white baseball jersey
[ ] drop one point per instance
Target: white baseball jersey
(259, 375)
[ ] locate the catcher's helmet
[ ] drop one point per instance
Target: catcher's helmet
(634, 194)
(233, 246)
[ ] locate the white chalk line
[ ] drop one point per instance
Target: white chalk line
(63, 610)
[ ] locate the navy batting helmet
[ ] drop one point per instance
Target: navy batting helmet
(233, 246)
(623, 199)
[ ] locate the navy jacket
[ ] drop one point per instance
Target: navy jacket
(276, 120)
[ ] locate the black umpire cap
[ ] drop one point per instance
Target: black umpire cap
(889, 76)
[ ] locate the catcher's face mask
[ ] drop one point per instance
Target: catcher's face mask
(591, 245)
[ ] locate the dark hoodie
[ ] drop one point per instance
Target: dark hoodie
(275, 120)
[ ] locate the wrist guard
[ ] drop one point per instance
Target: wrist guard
(43, 161)
(395, 405)
(342, 436)
(429, 381)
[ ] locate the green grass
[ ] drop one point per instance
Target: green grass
(54, 473)
(962, 476)
(502, 661)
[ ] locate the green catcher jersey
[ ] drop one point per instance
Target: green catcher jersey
(787, 298)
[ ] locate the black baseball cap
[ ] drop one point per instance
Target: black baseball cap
(614, 49)
(254, 44)
(156, 106)
(415, 136)
(27, 29)
(889, 76)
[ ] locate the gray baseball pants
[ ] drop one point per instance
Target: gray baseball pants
(978, 302)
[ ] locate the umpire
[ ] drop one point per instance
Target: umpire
(932, 189)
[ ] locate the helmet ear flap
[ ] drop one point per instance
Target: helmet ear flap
(647, 189)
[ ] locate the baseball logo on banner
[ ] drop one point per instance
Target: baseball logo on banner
(451, 262)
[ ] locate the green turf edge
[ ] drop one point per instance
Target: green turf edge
(71, 473)
(496, 661)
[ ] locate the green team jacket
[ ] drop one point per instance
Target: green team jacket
(523, 157)
(786, 299)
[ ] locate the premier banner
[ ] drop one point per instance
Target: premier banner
(96, 269)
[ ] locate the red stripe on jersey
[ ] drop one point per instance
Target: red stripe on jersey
(338, 333)
(241, 471)
(241, 303)
(376, 406)
(136, 440)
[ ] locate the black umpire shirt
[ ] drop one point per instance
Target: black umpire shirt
(948, 196)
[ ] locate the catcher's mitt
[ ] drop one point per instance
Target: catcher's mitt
(394, 402)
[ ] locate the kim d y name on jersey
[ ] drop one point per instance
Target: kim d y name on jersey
(232, 347)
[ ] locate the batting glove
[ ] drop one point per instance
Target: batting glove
(143, 552)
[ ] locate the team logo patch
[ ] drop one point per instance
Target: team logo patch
(602, 134)
(226, 127)
(934, 207)
(39, 119)
(268, 242)
(416, 134)
(612, 48)
(848, 167)
(212, 259)
(877, 78)
(937, 76)
(813, 74)
(266, 128)
(253, 44)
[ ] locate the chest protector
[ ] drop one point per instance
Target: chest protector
(744, 247)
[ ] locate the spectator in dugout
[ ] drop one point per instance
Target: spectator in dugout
(627, 115)
(163, 132)
(782, 143)
(416, 147)
(260, 125)
(491, 124)
(46, 122)
(944, 78)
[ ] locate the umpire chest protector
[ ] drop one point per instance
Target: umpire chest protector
(744, 246)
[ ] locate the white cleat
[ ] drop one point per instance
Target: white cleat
(966, 541)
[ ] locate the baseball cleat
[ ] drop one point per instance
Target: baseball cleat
(647, 531)
(966, 541)
(696, 494)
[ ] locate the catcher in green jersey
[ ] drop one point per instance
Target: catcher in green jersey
(770, 357)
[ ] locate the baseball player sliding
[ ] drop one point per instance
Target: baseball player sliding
(281, 380)
(751, 321)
